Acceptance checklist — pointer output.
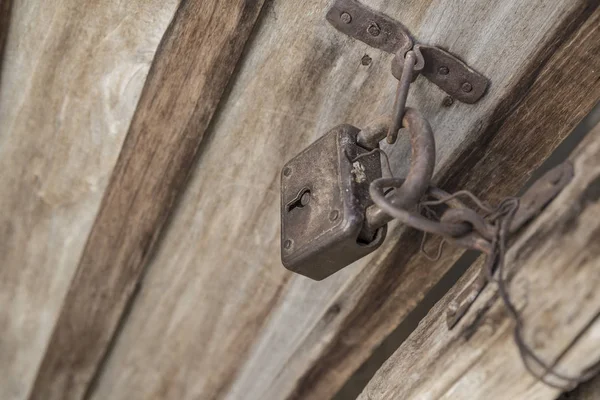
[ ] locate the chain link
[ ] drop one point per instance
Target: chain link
(478, 227)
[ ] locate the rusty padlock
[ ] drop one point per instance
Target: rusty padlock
(328, 219)
(324, 198)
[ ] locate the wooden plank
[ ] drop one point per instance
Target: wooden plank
(217, 316)
(5, 12)
(586, 391)
(71, 78)
(555, 269)
(188, 76)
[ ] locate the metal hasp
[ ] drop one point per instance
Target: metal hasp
(369, 26)
(382, 32)
(324, 196)
(334, 209)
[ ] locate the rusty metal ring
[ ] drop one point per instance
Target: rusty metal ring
(417, 181)
(415, 185)
(412, 219)
(422, 160)
(460, 233)
(459, 215)
(398, 62)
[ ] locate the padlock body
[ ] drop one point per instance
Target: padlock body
(324, 195)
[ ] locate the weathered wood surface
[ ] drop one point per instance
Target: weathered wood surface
(191, 68)
(217, 316)
(586, 391)
(71, 79)
(5, 12)
(555, 273)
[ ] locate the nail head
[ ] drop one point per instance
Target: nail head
(448, 101)
(334, 215)
(374, 29)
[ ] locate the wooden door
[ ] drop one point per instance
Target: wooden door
(140, 147)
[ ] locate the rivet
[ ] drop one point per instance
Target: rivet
(287, 171)
(334, 215)
(305, 199)
(287, 244)
(443, 71)
(448, 101)
(346, 18)
(466, 87)
(374, 29)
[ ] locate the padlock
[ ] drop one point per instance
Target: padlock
(328, 217)
(335, 204)
(324, 198)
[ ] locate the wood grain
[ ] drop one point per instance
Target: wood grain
(71, 78)
(555, 272)
(190, 71)
(5, 12)
(217, 316)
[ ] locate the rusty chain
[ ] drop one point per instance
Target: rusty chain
(412, 201)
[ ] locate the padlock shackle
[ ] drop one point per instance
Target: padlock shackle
(370, 136)
(422, 163)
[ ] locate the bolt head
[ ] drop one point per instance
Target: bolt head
(287, 171)
(287, 244)
(374, 29)
(346, 18)
(443, 71)
(466, 87)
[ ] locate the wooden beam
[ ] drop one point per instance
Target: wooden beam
(586, 391)
(71, 78)
(217, 315)
(555, 272)
(5, 12)
(189, 74)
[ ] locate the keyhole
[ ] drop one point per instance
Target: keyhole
(300, 201)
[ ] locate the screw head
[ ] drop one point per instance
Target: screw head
(334, 215)
(374, 29)
(346, 18)
(448, 101)
(443, 71)
(287, 244)
(466, 87)
(287, 171)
